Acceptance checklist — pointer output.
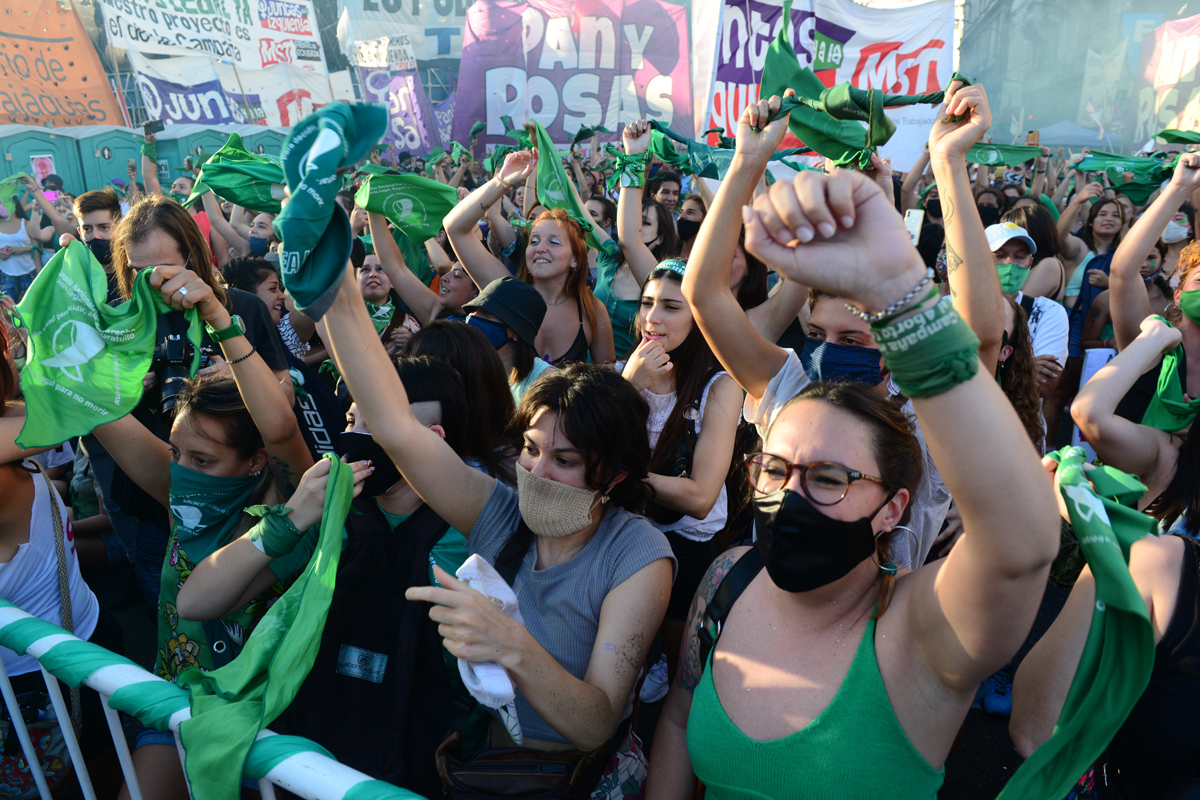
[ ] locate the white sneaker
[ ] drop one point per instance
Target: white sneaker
(656, 684)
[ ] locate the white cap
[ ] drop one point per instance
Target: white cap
(997, 235)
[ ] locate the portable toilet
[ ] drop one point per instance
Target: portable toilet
(37, 151)
(105, 152)
(177, 142)
(265, 141)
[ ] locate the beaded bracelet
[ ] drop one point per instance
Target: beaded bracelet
(240, 359)
(929, 352)
(896, 307)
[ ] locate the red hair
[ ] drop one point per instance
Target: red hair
(577, 278)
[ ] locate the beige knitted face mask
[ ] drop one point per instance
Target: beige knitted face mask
(554, 509)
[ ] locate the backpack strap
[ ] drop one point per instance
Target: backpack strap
(727, 593)
(1027, 304)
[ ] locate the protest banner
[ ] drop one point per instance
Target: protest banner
(420, 29)
(902, 50)
(587, 63)
(411, 124)
(253, 35)
(49, 71)
(1170, 94)
(199, 89)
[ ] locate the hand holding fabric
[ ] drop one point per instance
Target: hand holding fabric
(758, 136)
(969, 104)
(472, 627)
(1155, 328)
(183, 289)
(636, 137)
(518, 167)
(307, 503)
(1187, 172)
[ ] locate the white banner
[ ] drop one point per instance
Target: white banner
(254, 34)
(200, 90)
(410, 29)
(906, 50)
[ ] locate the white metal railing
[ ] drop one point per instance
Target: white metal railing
(306, 773)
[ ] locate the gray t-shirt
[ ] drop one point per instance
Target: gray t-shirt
(561, 604)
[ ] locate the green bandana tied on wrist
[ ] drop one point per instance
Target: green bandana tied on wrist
(86, 358)
(554, 188)
(413, 204)
(929, 352)
(827, 120)
(275, 535)
(150, 150)
(1008, 155)
(235, 174)
(630, 170)
(1169, 410)
(313, 229)
(1118, 656)
(232, 704)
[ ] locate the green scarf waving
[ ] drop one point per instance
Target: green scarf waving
(413, 204)
(1008, 155)
(8, 191)
(313, 229)
(554, 187)
(235, 174)
(1117, 659)
(86, 358)
(232, 704)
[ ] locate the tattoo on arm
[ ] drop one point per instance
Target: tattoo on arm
(284, 478)
(691, 667)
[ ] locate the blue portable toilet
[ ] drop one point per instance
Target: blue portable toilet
(105, 152)
(20, 144)
(264, 140)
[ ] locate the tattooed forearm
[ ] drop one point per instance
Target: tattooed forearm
(691, 666)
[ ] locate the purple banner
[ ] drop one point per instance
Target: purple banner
(443, 115)
(571, 63)
(205, 103)
(411, 125)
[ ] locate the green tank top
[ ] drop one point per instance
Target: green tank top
(855, 748)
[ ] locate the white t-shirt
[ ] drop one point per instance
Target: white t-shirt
(30, 580)
(63, 454)
(1049, 328)
(18, 263)
(931, 499)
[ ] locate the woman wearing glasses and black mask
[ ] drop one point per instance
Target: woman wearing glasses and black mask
(810, 669)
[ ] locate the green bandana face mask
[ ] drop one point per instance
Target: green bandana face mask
(179, 197)
(1189, 304)
(1012, 277)
(207, 507)
(381, 315)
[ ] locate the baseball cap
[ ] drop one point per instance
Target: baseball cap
(515, 303)
(997, 235)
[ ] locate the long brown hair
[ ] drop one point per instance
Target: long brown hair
(158, 213)
(576, 285)
(1018, 376)
(894, 445)
(8, 372)
(1086, 235)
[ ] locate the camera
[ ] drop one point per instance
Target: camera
(173, 365)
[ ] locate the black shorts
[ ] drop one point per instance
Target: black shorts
(693, 559)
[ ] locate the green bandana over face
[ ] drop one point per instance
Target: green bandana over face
(381, 315)
(413, 204)
(1008, 155)
(232, 704)
(235, 174)
(1169, 410)
(1118, 657)
(313, 228)
(180, 197)
(554, 189)
(1012, 277)
(8, 191)
(86, 358)
(828, 120)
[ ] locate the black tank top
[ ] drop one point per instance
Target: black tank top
(1157, 745)
(578, 351)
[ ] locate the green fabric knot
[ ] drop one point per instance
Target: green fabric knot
(630, 170)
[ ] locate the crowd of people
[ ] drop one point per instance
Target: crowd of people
(692, 438)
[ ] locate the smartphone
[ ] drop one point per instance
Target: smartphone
(153, 126)
(132, 163)
(914, 218)
(1031, 139)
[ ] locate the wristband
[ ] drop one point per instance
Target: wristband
(150, 150)
(929, 352)
(274, 535)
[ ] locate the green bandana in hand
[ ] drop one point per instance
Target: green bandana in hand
(1172, 136)
(86, 358)
(232, 704)
(1008, 155)
(1118, 657)
(476, 129)
(496, 159)
(704, 160)
(8, 191)
(554, 188)
(374, 169)
(1012, 277)
(235, 174)
(413, 204)
(436, 156)
(457, 152)
(586, 133)
(519, 135)
(1169, 411)
(313, 229)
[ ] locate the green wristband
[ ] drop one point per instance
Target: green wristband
(929, 352)
(274, 535)
(150, 150)
(630, 169)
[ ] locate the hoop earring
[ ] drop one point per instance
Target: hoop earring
(890, 568)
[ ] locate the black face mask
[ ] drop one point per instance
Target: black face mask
(102, 250)
(989, 215)
(361, 447)
(802, 548)
(934, 208)
(688, 228)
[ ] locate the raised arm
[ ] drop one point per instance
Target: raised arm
(629, 209)
(416, 295)
(60, 223)
(1130, 302)
(461, 222)
(749, 358)
(219, 224)
(970, 268)
(1137, 449)
(1073, 247)
(908, 188)
(772, 317)
(499, 229)
(150, 169)
(1040, 167)
(455, 491)
(969, 613)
